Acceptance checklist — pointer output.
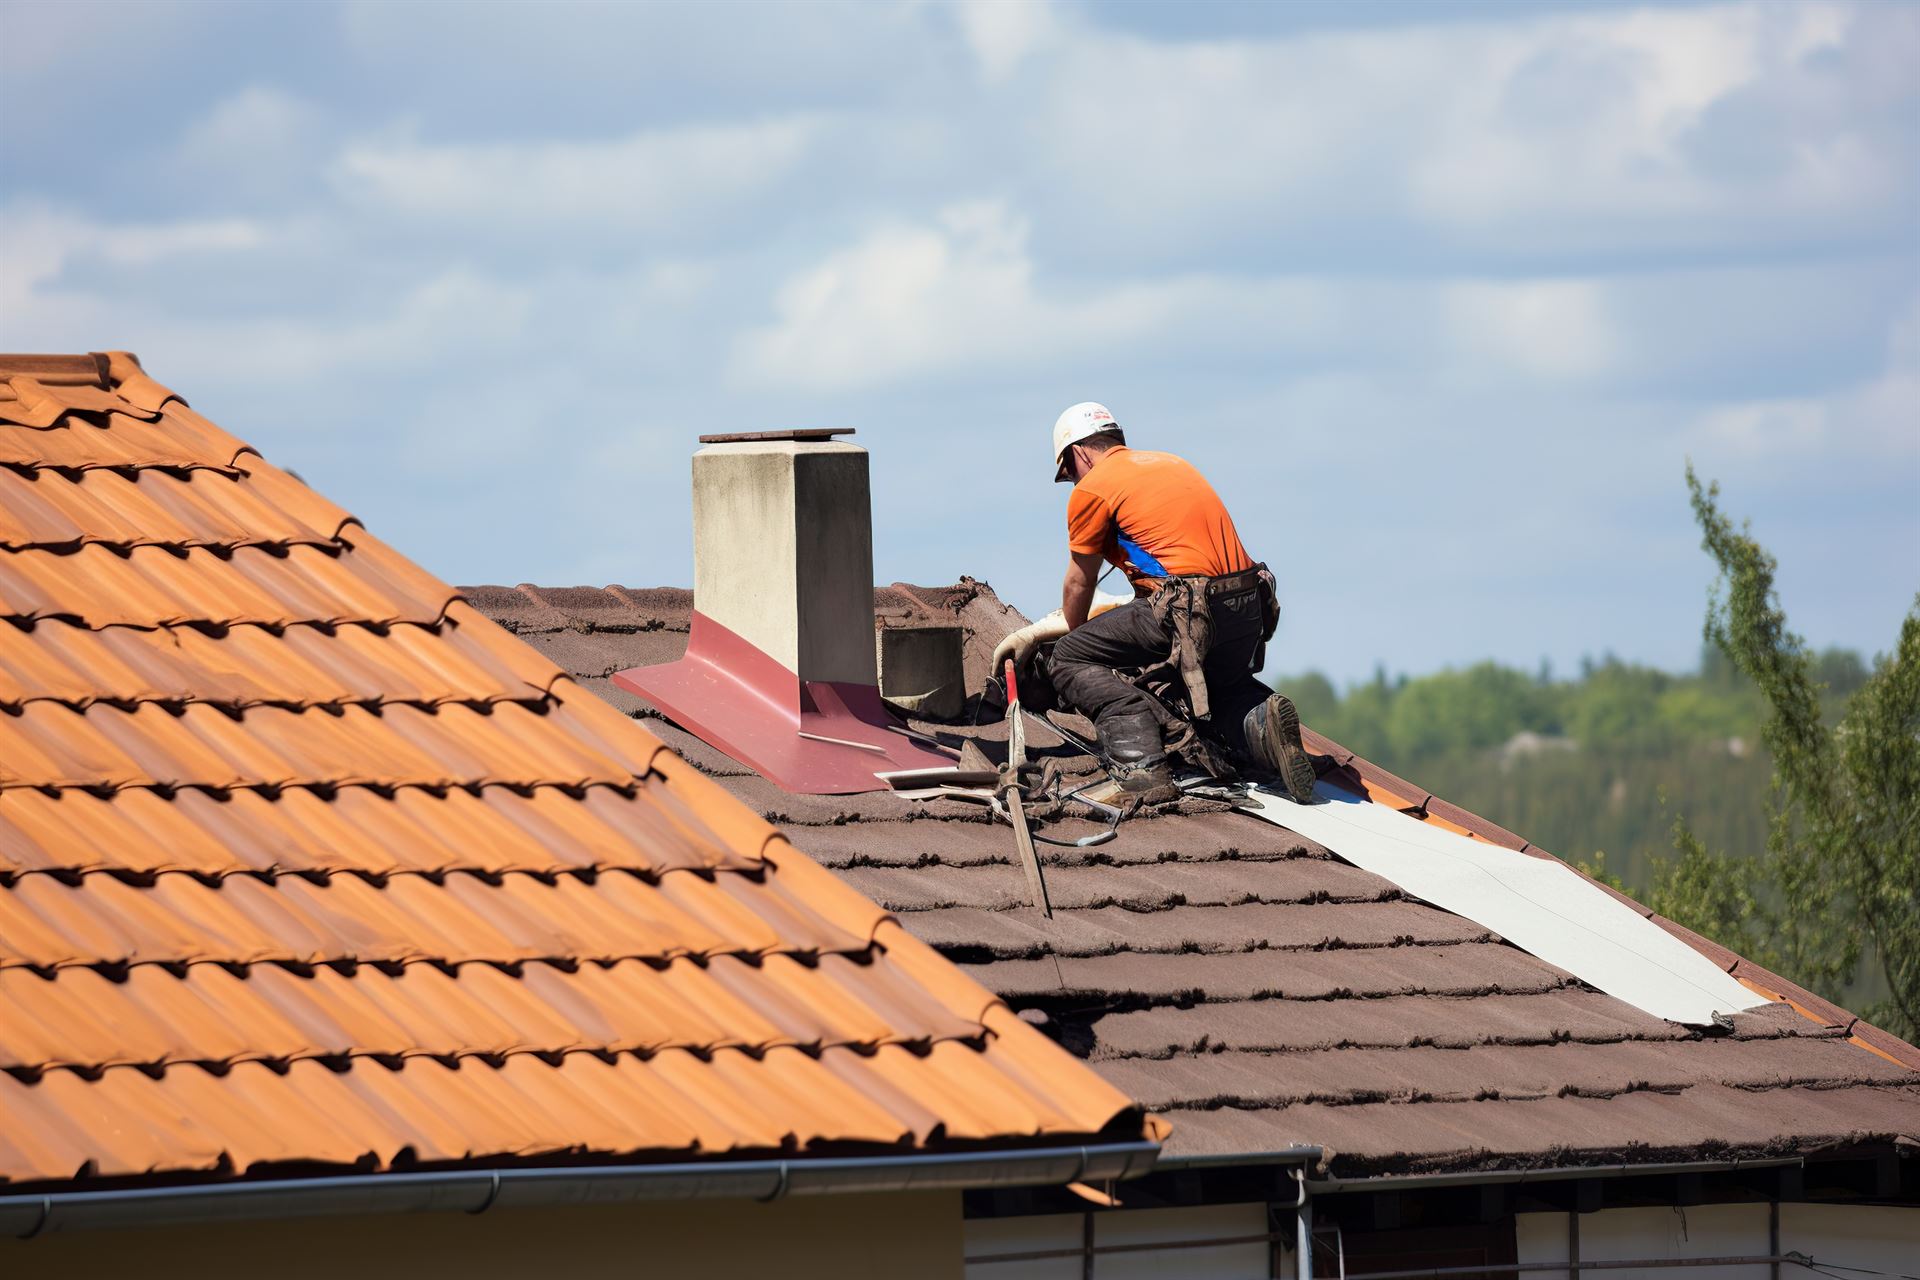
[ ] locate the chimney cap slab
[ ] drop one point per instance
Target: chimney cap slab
(794, 433)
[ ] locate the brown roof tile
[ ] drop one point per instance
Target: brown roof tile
(305, 861)
(1641, 1126)
(1268, 994)
(1776, 987)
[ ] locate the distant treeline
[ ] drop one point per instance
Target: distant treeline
(1595, 767)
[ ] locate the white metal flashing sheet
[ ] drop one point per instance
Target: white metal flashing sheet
(1541, 906)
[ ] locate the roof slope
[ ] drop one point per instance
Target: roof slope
(1259, 992)
(304, 862)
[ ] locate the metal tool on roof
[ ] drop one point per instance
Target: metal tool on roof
(1068, 736)
(982, 786)
(952, 776)
(1010, 797)
(1112, 813)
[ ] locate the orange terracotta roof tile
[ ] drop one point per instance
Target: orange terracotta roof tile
(493, 830)
(247, 666)
(356, 581)
(304, 862)
(49, 509)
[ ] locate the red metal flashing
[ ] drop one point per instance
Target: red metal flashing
(813, 737)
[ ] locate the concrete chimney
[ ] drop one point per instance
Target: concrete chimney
(780, 670)
(783, 552)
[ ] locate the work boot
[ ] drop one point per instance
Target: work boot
(1136, 756)
(1273, 740)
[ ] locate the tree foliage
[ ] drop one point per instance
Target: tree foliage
(1840, 878)
(1589, 765)
(1769, 801)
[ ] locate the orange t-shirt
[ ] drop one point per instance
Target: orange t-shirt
(1153, 515)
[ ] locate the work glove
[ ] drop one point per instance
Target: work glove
(1021, 644)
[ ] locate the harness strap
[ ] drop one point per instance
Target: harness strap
(1182, 606)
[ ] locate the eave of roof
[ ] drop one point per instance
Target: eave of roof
(478, 1190)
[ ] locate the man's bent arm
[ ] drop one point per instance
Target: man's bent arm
(1076, 593)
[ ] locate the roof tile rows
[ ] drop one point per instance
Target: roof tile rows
(305, 862)
(1259, 992)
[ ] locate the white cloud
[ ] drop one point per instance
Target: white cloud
(457, 313)
(1608, 131)
(69, 282)
(38, 241)
(1540, 328)
(257, 119)
(1002, 33)
(1469, 291)
(646, 181)
(1879, 419)
(963, 293)
(909, 300)
(261, 141)
(1594, 115)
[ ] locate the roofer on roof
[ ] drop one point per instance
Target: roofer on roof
(1202, 607)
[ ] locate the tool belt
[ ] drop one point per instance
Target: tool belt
(1183, 606)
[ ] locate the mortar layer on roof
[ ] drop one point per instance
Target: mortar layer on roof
(1260, 993)
(307, 865)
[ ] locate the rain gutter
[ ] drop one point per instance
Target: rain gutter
(1306, 1155)
(482, 1190)
(1233, 1159)
(1563, 1173)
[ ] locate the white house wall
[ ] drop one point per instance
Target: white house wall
(1881, 1238)
(1128, 1226)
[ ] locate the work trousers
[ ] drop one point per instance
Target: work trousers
(1087, 663)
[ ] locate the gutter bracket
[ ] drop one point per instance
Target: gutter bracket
(779, 1186)
(46, 1216)
(493, 1193)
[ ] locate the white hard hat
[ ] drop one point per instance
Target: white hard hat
(1076, 424)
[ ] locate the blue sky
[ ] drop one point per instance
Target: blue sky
(1441, 295)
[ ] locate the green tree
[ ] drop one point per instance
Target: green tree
(1482, 706)
(1620, 704)
(1314, 697)
(1840, 879)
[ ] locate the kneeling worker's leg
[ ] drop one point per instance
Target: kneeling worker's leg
(1085, 680)
(1254, 720)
